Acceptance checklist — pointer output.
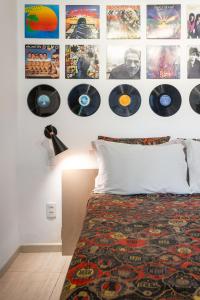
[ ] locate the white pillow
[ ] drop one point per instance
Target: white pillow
(193, 160)
(136, 169)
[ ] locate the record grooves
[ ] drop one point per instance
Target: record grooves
(43, 100)
(124, 100)
(84, 100)
(165, 100)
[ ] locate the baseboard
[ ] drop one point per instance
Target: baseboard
(57, 247)
(9, 262)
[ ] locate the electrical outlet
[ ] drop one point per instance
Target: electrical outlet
(51, 210)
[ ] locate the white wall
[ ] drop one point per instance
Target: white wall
(38, 183)
(9, 231)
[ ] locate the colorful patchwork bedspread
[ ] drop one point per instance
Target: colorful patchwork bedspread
(137, 248)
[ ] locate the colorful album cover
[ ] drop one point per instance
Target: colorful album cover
(123, 62)
(164, 21)
(193, 63)
(123, 21)
(82, 22)
(82, 62)
(163, 62)
(193, 21)
(42, 61)
(42, 21)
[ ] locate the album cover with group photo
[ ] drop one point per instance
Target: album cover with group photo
(123, 62)
(82, 22)
(163, 62)
(42, 61)
(193, 21)
(164, 21)
(82, 62)
(123, 21)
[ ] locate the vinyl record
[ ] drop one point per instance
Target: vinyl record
(165, 100)
(84, 100)
(43, 100)
(124, 100)
(195, 99)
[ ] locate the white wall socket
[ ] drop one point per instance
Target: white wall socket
(51, 210)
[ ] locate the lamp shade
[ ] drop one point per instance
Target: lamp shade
(51, 133)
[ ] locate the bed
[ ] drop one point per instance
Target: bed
(137, 247)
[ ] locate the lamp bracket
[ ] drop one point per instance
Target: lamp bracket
(49, 131)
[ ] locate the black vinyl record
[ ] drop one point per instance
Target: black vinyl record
(195, 99)
(43, 100)
(124, 100)
(165, 100)
(84, 100)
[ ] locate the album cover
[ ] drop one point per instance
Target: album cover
(193, 63)
(82, 22)
(82, 62)
(123, 21)
(164, 21)
(42, 61)
(41, 21)
(123, 62)
(163, 62)
(193, 21)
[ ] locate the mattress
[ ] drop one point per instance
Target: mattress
(137, 247)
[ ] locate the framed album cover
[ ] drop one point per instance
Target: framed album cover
(193, 21)
(82, 22)
(164, 21)
(123, 62)
(42, 61)
(193, 62)
(82, 62)
(163, 62)
(123, 21)
(41, 21)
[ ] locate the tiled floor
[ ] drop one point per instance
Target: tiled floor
(35, 276)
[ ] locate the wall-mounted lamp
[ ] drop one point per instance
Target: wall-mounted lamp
(51, 133)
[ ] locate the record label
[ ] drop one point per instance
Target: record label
(84, 100)
(124, 100)
(195, 99)
(165, 100)
(43, 100)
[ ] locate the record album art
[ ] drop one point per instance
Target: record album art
(41, 21)
(165, 100)
(195, 99)
(124, 100)
(193, 63)
(82, 62)
(193, 21)
(84, 100)
(123, 21)
(43, 100)
(164, 21)
(163, 62)
(123, 62)
(82, 22)
(42, 61)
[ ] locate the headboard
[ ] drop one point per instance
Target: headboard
(77, 185)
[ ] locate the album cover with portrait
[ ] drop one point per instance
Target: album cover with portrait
(82, 62)
(42, 61)
(82, 22)
(123, 21)
(163, 62)
(164, 21)
(193, 21)
(193, 62)
(123, 62)
(41, 21)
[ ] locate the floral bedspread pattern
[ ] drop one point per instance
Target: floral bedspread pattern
(137, 248)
